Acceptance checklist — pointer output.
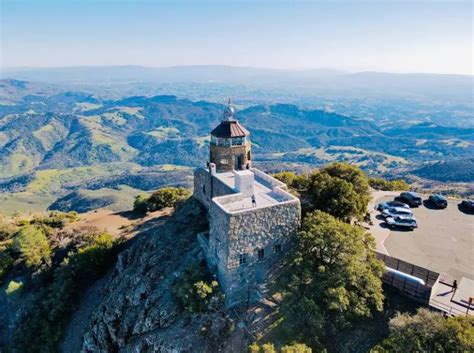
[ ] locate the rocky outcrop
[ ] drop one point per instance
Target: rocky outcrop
(137, 312)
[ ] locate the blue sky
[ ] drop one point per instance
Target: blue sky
(391, 36)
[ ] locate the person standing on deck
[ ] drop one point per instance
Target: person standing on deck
(254, 202)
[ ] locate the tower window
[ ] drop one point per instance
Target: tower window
(277, 248)
(249, 156)
(237, 141)
(204, 188)
(242, 259)
(261, 254)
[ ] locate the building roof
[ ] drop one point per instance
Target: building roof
(267, 192)
(229, 128)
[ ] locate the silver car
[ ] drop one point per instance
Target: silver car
(397, 211)
(401, 222)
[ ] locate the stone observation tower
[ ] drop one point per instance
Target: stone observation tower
(230, 144)
(252, 217)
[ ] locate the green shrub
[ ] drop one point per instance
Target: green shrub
(33, 246)
(167, 197)
(55, 219)
(195, 291)
(270, 348)
(389, 185)
(140, 204)
(13, 287)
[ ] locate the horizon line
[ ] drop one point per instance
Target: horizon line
(289, 70)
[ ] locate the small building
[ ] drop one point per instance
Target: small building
(252, 217)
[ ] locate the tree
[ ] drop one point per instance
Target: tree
(33, 246)
(341, 190)
(292, 180)
(428, 331)
(333, 277)
(141, 203)
(167, 197)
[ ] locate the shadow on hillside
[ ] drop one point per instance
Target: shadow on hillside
(130, 215)
(188, 215)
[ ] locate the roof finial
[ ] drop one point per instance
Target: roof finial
(229, 112)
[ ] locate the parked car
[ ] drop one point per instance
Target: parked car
(467, 205)
(401, 222)
(397, 211)
(387, 204)
(410, 198)
(438, 201)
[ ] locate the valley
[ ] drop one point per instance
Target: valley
(77, 150)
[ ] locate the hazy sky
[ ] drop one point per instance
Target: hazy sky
(393, 36)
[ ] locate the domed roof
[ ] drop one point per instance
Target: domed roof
(229, 126)
(229, 112)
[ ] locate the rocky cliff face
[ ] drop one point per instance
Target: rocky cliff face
(137, 312)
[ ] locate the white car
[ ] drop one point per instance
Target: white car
(397, 211)
(402, 222)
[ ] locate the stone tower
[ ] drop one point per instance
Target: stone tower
(230, 144)
(252, 217)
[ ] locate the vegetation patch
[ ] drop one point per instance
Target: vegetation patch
(428, 331)
(196, 291)
(339, 189)
(270, 348)
(389, 185)
(164, 197)
(57, 291)
(13, 287)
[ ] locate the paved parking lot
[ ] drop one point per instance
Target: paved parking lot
(443, 241)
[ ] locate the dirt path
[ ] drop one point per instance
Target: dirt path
(117, 223)
(72, 341)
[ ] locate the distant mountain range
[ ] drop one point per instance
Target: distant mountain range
(386, 98)
(454, 87)
(55, 141)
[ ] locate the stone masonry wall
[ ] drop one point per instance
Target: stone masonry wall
(219, 153)
(203, 187)
(246, 233)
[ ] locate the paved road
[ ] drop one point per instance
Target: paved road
(443, 241)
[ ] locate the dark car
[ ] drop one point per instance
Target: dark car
(467, 205)
(438, 201)
(410, 198)
(388, 204)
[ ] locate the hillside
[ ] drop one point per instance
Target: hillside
(57, 144)
(457, 170)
